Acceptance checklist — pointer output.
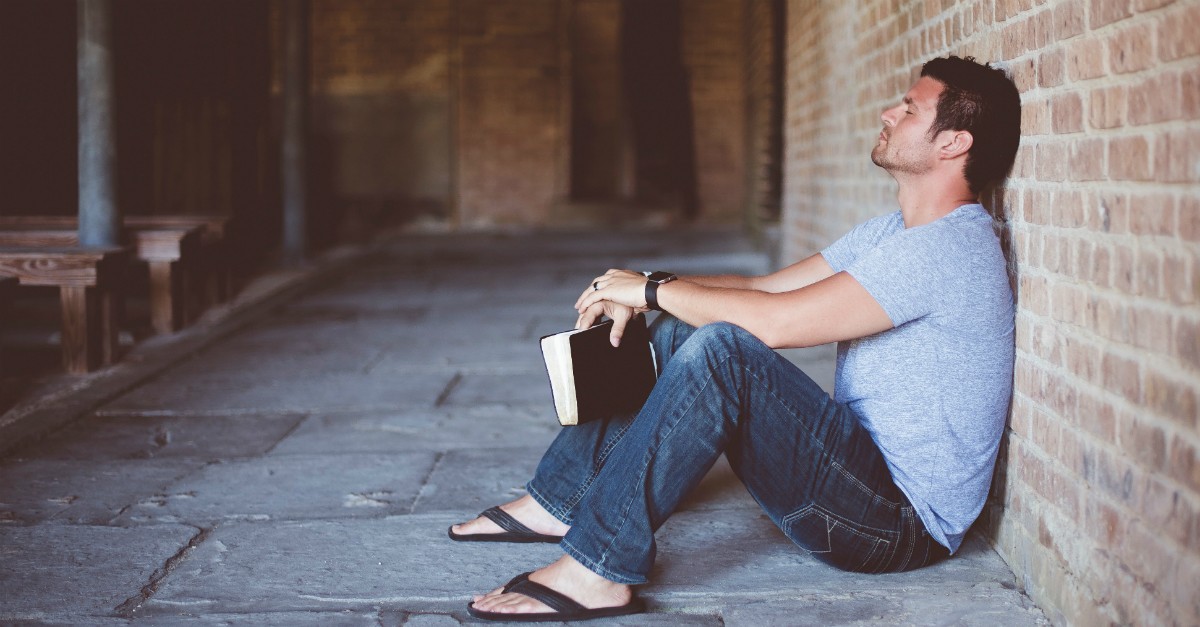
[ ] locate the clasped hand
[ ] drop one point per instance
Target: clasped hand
(618, 294)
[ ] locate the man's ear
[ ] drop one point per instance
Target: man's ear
(953, 144)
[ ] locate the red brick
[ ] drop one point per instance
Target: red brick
(1086, 58)
(1051, 68)
(1181, 463)
(1176, 158)
(1149, 273)
(1155, 99)
(1169, 511)
(1189, 86)
(1068, 20)
(1106, 107)
(1151, 329)
(1187, 341)
(1098, 418)
(1111, 474)
(1035, 118)
(1086, 162)
(1124, 272)
(1107, 11)
(1179, 278)
(1131, 49)
(1144, 553)
(1122, 376)
(1168, 396)
(1177, 33)
(1142, 441)
(1114, 209)
(1155, 215)
(1067, 113)
(1051, 160)
(1129, 159)
(1103, 523)
(1189, 218)
(1101, 267)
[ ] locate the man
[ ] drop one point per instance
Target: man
(884, 477)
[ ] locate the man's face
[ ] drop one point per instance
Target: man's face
(904, 144)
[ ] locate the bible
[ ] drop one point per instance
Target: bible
(592, 380)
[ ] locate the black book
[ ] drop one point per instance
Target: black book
(592, 380)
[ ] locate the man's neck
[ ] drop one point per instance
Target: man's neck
(922, 202)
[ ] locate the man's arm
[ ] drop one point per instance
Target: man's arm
(802, 273)
(832, 309)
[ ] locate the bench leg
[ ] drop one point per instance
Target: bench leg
(82, 339)
(166, 297)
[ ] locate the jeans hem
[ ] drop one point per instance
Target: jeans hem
(553, 509)
(595, 567)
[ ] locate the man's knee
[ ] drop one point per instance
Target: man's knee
(722, 339)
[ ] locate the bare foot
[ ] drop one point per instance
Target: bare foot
(524, 509)
(565, 576)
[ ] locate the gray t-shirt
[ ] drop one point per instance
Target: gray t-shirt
(934, 390)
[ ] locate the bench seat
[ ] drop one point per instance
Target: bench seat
(88, 280)
(168, 251)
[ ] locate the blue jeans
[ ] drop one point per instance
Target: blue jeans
(806, 459)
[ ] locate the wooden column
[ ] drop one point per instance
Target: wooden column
(99, 216)
(294, 162)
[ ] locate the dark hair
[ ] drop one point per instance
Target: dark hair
(983, 101)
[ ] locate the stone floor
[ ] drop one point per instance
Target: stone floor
(303, 469)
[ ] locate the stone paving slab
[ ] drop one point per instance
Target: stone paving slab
(80, 570)
(462, 354)
(403, 562)
(485, 388)
(136, 437)
(474, 480)
(159, 617)
(291, 487)
(87, 491)
(424, 430)
(406, 562)
(262, 393)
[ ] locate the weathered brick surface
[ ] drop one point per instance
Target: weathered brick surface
(1096, 502)
(464, 108)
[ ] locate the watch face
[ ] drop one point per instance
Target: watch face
(661, 277)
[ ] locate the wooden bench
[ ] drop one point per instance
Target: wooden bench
(168, 251)
(213, 271)
(88, 280)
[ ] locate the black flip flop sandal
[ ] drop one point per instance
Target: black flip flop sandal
(514, 531)
(565, 608)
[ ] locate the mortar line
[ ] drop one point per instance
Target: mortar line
(449, 389)
(437, 461)
(126, 609)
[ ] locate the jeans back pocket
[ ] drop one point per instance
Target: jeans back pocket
(837, 541)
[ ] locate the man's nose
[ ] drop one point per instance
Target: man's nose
(889, 115)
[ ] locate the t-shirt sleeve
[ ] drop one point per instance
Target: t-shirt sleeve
(843, 252)
(904, 274)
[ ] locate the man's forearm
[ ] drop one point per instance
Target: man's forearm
(731, 281)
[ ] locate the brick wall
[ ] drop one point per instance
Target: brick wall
(512, 110)
(714, 55)
(381, 107)
(1096, 503)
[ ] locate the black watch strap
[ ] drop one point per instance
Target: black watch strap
(653, 280)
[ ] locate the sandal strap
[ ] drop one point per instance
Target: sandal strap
(507, 522)
(553, 599)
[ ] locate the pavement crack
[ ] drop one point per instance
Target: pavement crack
(448, 390)
(127, 609)
(437, 461)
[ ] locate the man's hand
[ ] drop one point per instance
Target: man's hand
(620, 315)
(623, 287)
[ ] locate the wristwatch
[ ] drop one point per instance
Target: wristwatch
(653, 280)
